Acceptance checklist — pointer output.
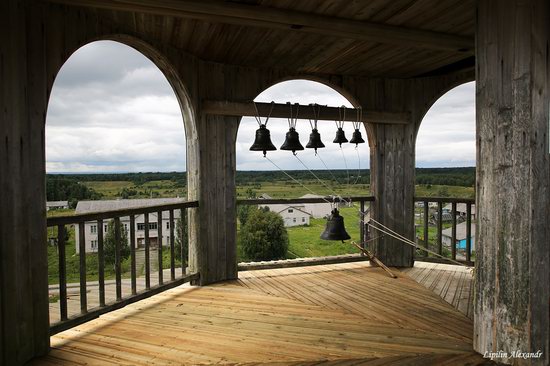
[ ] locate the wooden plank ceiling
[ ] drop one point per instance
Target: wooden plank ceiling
(238, 39)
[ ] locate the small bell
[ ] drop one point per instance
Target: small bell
(340, 136)
(262, 141)
(292, 141)
(335, 229)
(357, 138)
(315, 140)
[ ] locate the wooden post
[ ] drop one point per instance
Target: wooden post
(24, 325)
(511, 311)
(213, 229)
(392, 184)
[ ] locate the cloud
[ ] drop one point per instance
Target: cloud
(112, 110)
(447, 134)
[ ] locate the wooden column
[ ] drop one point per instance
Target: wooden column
(512, 240)
(392, 184)
(24, 328)
(213, 235)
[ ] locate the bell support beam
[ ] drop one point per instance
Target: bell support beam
(270, 17)
(280, 110)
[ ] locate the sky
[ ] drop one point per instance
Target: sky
(112, 110)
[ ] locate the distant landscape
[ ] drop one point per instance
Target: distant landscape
(431, 182)
(304, 240)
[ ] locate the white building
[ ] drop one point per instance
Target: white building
(57, 205)
(317, 210)
(91, 228)
(294, 216)
(446, 236)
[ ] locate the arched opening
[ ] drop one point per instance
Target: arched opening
(445, 169)
(333, 171)
(115, 139)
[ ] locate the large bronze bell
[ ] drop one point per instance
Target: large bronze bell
(315, 140)
(263, 141)
(340, 136)
(357, 138)
(292, 141)
(335, 229)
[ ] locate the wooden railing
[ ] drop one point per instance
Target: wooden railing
(290, 201)
(435, 215)
(99, 219)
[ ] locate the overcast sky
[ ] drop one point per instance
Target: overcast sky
(112, 110)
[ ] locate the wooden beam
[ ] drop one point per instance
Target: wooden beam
(304, 112)
(270, 17)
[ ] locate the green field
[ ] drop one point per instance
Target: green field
(277, 189)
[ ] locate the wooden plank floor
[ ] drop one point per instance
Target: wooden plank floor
(345, 314)
(452, 282)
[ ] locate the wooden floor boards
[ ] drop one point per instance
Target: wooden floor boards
(340, 314)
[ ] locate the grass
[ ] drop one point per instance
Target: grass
(305, 240)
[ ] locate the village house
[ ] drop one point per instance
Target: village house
(446, 236)
(91, 228)
(300, 213)
(57, 205)
(461, 210)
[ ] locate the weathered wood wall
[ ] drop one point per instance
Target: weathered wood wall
(23, 258)
(513, 197)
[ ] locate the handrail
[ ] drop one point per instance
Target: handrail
(97, 222)
(101, 215)
(275, 201)
(445, 199)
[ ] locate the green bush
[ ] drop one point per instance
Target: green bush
(264, 236)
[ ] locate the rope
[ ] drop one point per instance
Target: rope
(257, 116)
(401, 238)
(295, 180)
(320, 181)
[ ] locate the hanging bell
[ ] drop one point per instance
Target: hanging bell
(262, 141)
(356, 138)
(335, 229)
(340, 136)
(292, 141)
(315, 140)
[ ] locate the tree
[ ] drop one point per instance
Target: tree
(109, 243)
(243, 211)
(264, 236)
(182, 235)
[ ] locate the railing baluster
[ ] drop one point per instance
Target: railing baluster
(361, 224)
(118, 274)
(183, 217)
(453, 232)
(172, 259)
(147, 260)
(133, 274)
(425, 254)
(62, 272)
(468, 231)
(101, 262)
(159, 242)
(440, 228)
(82, 258)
